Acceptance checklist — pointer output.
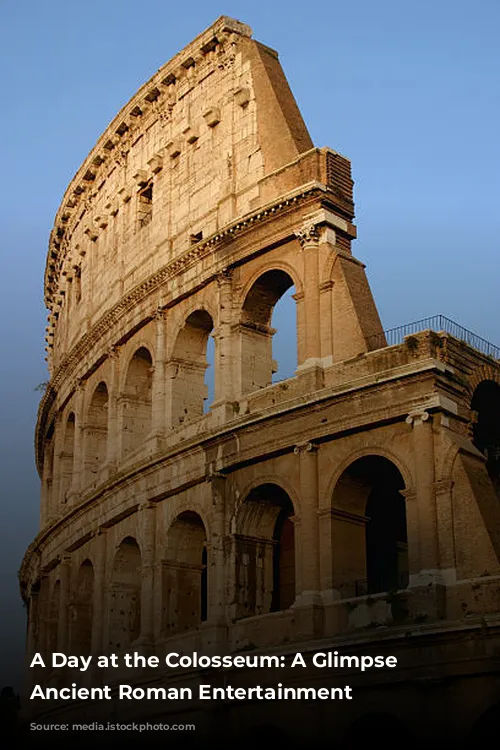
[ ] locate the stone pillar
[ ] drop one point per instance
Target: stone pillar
(446, 537)
(113, 445)
(326, 311)
(308, 601)
(225, 348)
(65, 593)
(147, 523)
(423, 464)
(159, 385)
(78, 449)
(55, 500)
(308, 237)
(99, 614)
(217, 584)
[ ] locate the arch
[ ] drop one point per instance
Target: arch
(125, 595)
(185, 575)
(371, 450)
(486, 428)
(82, 610)
(264, 545)
(485, 372)
(256, 334)
(188, 369)
(96, 431)
(368, 528)
(136, 401)
(67, 457)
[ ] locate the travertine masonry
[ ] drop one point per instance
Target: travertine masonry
(359, 494)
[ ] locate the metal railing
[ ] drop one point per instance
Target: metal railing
(436, 323)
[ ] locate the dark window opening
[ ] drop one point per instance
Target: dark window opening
(145, 205)
(486, 429)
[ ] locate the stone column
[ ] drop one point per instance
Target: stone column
(99, 603)
(55, 499)
(217, 584)
(159, 384)
(446, 537)
(78, 454)
(309, 546)
(65, 593)
(225, 349)
(423, 463)
(308, 237)
(147, 523)
(112, 456)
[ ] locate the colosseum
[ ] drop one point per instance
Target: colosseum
(353, 506)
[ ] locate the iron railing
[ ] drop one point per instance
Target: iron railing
(436, 323)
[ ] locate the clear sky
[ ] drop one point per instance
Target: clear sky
(409, 91)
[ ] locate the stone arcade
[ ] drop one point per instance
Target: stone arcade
(353, 506)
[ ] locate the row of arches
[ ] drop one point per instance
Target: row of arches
(260, 559)
(188, 382)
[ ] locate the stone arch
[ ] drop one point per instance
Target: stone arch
(485, 404)
(82, 610)
(368, 528)
(264, 547)
(67, 457)
(268, 477)
(53, 618)
(371, 450)
(136, 400)
(255, 331)
(96, 431)
(125, 595)
(485, 372)
(188, 366)
(185, 574)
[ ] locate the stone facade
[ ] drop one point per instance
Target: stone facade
(354, 505)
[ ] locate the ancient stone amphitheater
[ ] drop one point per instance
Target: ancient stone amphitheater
(352, 506)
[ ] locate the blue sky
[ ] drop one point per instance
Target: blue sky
(408, 91)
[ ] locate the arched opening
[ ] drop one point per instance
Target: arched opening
(265, 552)
(81, 611)
(369, 536)
(259, 355)
(486, 429)
(189, 365)
(125, 596)
(137, 401)
(96, 432)
(53, 619)
(185, 579)
(67, 456)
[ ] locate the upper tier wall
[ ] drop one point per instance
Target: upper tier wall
(188, 155)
